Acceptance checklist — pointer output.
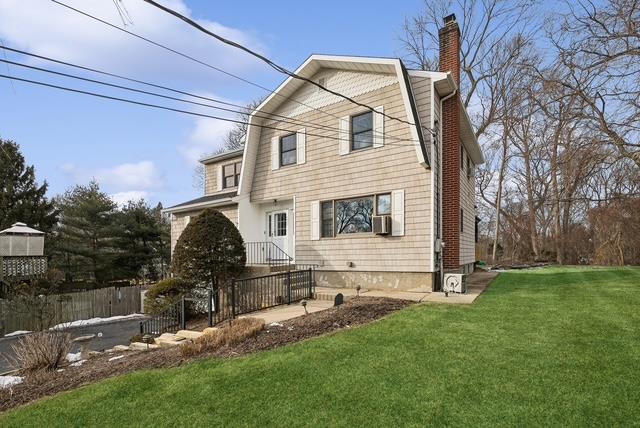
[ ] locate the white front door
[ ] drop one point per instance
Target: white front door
(278, 233)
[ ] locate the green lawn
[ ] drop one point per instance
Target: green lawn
(545, 347)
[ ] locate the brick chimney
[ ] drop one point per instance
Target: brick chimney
(450, 62)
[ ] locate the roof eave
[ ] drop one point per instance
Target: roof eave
(221, 156)
(190, 207)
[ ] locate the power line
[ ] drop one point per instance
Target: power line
(266, 60)
(157, 106)
(191, 58)
(285, 119)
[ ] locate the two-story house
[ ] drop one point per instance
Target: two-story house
(322, 176)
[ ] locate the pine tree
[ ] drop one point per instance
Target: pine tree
(21, 198)
(142, 241)
(84, 244)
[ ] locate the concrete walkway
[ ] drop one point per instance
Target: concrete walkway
(286, 312)
(476, 284)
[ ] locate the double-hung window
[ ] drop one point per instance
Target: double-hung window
(231, 175)
(362, 131)
(288, 152)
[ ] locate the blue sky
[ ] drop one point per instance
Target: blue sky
(134, 151)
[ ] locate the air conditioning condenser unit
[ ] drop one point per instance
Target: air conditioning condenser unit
(455, 283)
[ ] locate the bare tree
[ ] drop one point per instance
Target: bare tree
(494, 35)
(598, 50)
(232, 141)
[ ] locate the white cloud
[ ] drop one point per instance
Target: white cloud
(121, 198)
(141, 176)
(205, 138)
(49, 29)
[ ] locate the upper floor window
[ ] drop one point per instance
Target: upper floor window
(231, 175)
(288, 152)
(362, 131)
(469, 170)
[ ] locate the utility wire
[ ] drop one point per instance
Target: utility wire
(127, 88)
(157, 106)
(284, 119)
(266, 60)
(191, 58)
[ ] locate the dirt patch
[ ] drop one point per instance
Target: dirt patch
(353, 313)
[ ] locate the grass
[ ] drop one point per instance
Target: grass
(545, 347)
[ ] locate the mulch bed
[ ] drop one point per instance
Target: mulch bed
(353, 313)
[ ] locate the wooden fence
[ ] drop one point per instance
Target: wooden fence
(61, 308)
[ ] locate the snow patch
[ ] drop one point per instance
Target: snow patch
(116, 358)
(77, 363)
(94, 321)
(275, 324)
(18, 333)
(72, 358)
(9, 381)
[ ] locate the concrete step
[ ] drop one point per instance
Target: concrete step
(189, 334)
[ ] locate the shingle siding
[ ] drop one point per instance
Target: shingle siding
(328, 175)
(467, 203)
(179, 221)
(211, 176)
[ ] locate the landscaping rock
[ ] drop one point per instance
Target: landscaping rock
(189, 334)
(139, 346)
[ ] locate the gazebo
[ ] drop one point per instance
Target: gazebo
(21, 253)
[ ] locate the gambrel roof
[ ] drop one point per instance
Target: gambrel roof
(420, 132)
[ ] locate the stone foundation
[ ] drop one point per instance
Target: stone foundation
(375, 280)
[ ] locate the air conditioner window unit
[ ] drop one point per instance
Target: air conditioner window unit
(381, 224)
(455, 283)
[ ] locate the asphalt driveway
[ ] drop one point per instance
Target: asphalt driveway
(113, 333)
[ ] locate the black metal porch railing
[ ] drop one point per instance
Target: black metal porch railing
(170, 320)
(241, 296)
(266, 253)
(254, 294)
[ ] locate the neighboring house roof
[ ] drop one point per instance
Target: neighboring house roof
(222, 156)
(203, 202)
(20, 229)
(315, 63)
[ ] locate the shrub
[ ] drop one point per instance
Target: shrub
(165, 292)
(45, 350)
(210, 251)
(239, 331)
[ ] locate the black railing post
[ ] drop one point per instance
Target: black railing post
(183, 318)
(210, 307)
(288, 287)
(141, 328)
(233, 298)
(310, 283)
